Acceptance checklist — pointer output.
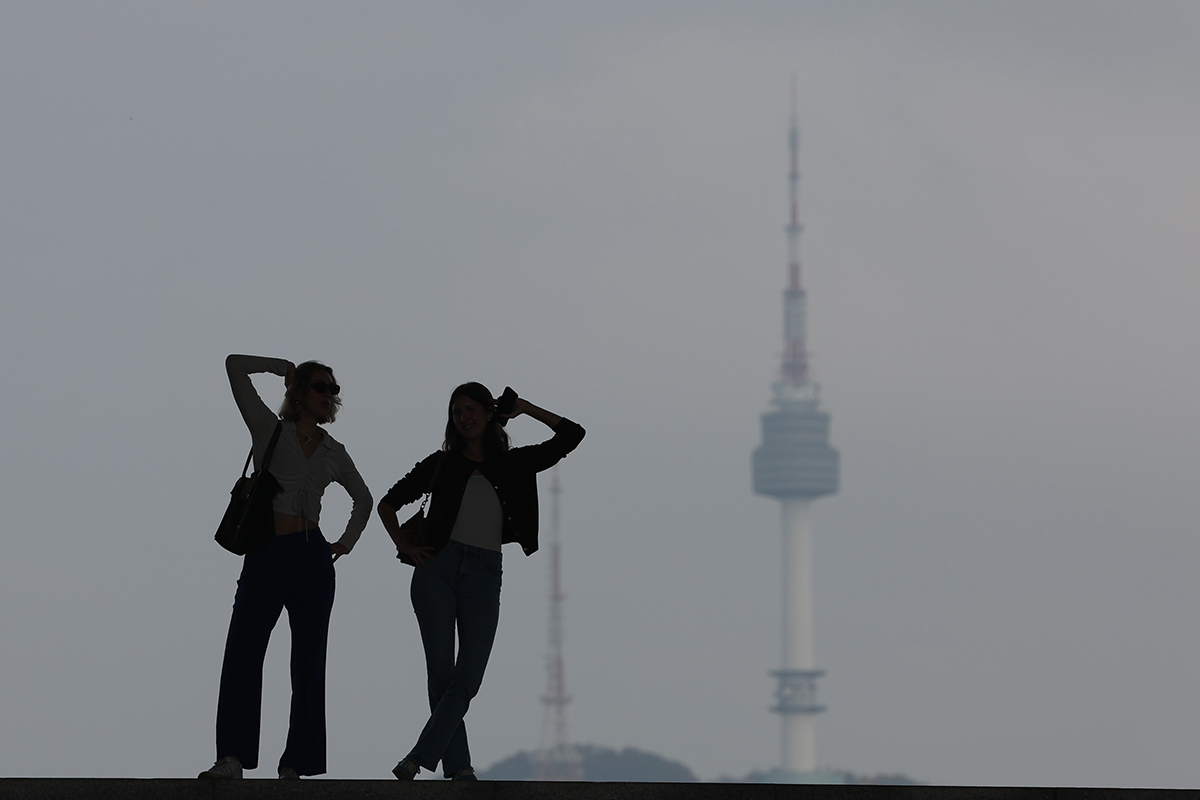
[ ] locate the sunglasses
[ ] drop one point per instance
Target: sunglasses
(321, 387)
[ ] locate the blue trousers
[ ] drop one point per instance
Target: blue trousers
(293, 572)
(458, 589)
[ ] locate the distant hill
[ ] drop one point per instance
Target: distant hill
(599, 764)
(884, 779)
(831, 776)
(631, 764)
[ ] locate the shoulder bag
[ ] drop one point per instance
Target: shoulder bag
(415, 530)
(249, 522)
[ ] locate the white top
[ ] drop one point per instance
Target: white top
(302, 480)
(480, 520)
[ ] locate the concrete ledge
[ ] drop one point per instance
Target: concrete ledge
(265, 789)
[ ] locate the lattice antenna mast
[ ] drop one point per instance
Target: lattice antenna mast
(557, 759)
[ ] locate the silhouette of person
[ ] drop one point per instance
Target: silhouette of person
(294, 571)
(484, 494)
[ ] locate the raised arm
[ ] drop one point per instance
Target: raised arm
(523, 406)
(260, 419)
(567, 436)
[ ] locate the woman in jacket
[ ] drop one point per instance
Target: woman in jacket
(484, 494)
(294, 571)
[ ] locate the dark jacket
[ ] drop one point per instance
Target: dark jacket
(513, 474)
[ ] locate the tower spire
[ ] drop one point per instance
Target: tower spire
(795, 354)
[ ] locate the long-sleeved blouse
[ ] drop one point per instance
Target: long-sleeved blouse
(302, 480)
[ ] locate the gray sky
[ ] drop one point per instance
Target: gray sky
(587, 203)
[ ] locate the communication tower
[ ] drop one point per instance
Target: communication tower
(557, 758)
(796, 465)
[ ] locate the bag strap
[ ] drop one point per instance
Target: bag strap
(270, 450)
(437, 468)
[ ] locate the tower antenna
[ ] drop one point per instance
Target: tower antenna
(795, 355)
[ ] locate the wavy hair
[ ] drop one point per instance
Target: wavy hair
(300, 383)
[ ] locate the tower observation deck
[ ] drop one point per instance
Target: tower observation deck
(795, 464)
(795, 459)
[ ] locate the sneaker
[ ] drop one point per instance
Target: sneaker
(287, 774)
(227, 767)
(464, 774)
(406, 770)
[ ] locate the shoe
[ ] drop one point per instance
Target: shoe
(227, 767)
(464, 774)
(406, 770)
(287, 774)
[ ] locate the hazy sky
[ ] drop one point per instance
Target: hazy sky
(587, 202)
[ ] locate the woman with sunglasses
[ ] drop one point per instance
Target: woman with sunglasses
(294, 571)
(484, 494)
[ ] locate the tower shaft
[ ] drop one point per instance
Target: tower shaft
(796, 694)
(797, 584)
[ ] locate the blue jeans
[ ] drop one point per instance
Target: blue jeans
(294, 572)
(458, 588)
